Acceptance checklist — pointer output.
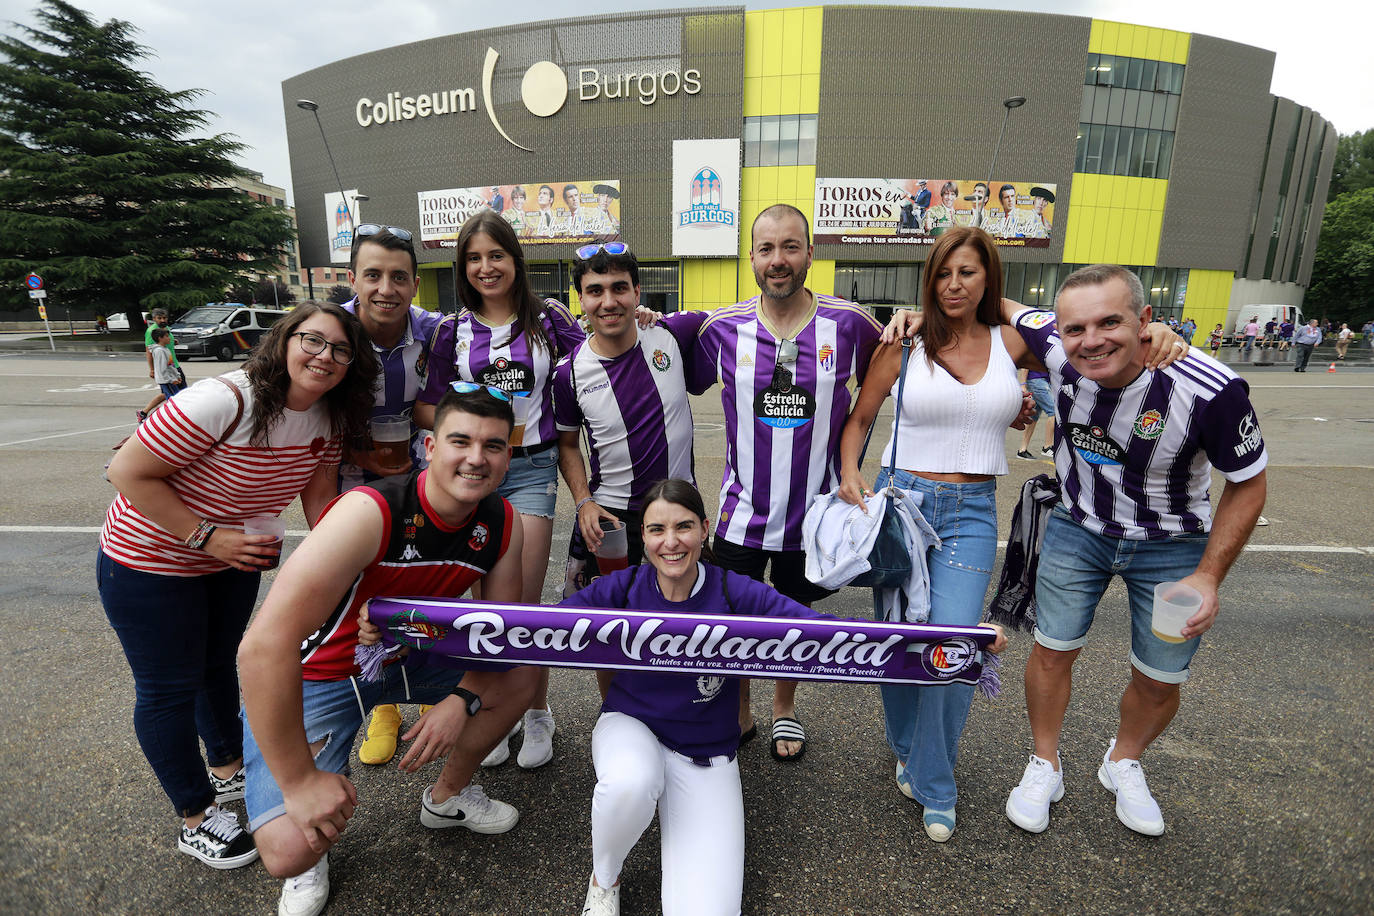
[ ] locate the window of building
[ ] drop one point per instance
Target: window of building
(1165, 287)
(780, 140)
(658, 286)
(1113, 70)
(1138, 152)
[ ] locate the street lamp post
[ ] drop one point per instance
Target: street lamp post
(314, 108)
(1015, 101)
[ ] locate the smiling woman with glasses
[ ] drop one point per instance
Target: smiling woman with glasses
(178, 575)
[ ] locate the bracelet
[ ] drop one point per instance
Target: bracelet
(201, 535)
(582, 502)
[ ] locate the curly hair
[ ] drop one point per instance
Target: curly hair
(527, 304)
(349, 403)
(935, 331)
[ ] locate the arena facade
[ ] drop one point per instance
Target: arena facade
(672, 130)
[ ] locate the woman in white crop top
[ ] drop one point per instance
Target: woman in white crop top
(961, 394)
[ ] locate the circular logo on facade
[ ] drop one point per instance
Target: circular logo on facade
(544, 89)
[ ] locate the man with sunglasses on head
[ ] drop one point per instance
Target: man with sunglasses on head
(785, 360)
(627, 387)
(432, 532)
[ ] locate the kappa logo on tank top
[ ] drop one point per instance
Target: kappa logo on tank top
(508, 375)
(1093, 443)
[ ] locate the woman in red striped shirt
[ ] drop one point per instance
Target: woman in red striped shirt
(179, 578)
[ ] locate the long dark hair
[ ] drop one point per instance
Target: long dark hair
(349, 403)
(682, 493)
(936, 332)
(527, 305)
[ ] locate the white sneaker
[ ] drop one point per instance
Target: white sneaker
(501, 753)
(537, 748)
(1028, 805)
(601, 901)
(470, 808)
(1135, 806)
(307, 893)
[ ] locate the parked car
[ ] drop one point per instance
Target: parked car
(222, 329)
(119, 321)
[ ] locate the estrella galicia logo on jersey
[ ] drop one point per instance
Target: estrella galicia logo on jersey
(706, 202)
(950, 657)
(825, 357)
(1249, 431)
(709, 687)
(480, 533)
(1149, 425)
(784, 405)
(418, 630)
(661, 361)
(1035, 318)
(1093, 443)
(508, 375)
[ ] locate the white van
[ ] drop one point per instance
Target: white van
(222, 329)
(1262, 315)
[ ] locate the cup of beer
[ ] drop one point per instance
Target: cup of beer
(521, 405)
(1175, 602)
(267, 524)
(614, 552)
(391, 442)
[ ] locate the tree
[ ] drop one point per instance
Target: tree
(1342, 285)
(1353, 169)
(271, 291)
(104, 188)
(339, 293)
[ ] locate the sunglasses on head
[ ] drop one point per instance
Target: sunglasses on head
(588, 251)
(367, 229)
(470, 387)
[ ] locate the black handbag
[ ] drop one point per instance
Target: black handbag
(890, 559)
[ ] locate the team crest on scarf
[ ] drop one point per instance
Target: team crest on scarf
(951, 656)
(1149, 425)
(480, 532)
(661, 361)
(826, 357)
(418, 631)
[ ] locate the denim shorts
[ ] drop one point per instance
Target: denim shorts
(1040, 391)
(1076, 566)
(335, 710)
(531, 483)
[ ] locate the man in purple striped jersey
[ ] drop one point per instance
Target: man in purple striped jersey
(785, 360)
(1134, 456)
(627, 387)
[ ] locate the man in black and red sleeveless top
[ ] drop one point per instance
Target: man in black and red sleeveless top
(435, 532)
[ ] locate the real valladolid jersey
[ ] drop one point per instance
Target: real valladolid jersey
(1135, 462)
(782, 417)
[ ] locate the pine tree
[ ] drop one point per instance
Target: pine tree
(105, 189)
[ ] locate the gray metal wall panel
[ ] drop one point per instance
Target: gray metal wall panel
(1290, 232)
(611, 139)
(1218, 151)
(930, 104)
(1319, 197)
(1287, 117)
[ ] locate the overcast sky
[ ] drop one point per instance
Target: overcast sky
(240, 51)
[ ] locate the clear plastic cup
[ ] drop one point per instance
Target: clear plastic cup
(1174, 604)
(521, 407)
(614, 552)
(391, 441)
(267, 524)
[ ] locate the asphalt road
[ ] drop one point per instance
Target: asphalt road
(1263, 778)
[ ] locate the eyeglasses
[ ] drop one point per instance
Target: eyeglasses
(588, 251)
(314, 345)
(787, 352)
(367, 229)
(470, 387)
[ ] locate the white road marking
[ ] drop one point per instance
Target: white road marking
(80, 432)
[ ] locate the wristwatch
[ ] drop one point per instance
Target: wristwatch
(470, 699)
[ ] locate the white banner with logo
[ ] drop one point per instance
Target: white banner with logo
(340, 218)
(442, 214)
(706, 198)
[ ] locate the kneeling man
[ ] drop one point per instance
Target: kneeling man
(432, 533)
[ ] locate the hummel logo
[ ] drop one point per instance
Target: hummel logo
(410, 553)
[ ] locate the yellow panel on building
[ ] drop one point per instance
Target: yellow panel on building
(1114, 219)
(427, 295)
(1142, 41)
(1207, 299)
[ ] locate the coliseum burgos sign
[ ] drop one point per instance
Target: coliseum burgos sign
(544, 90)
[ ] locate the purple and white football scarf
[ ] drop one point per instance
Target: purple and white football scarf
(461, 633)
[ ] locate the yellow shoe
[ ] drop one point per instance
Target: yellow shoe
(426, 708)
(380, 745)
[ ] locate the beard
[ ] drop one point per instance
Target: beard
(794, 283)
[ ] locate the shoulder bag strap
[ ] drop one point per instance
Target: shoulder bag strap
(896, 420)
(238, 414)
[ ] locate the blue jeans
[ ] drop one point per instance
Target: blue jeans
(1076, 567)
(531, 483)
(181, 636)
(924, 723)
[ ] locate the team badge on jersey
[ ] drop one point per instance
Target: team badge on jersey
(1035, 319)
(661, 361)
(709, 687)
(825, 356)
(508, 375)
(1149, 425)
(1093, 443)
(480, 533)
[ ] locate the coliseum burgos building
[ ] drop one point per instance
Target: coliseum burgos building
(1156, 149)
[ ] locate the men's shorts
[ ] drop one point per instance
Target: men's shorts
(1040, 391)
(335, 711)
(789, 569)
(1075, 569)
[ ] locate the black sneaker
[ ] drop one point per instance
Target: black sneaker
(1026, 455)
(227, 790)
(219, 841)
(1047, 452)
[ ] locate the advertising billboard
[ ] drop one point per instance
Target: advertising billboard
(914, 211)
(706, 198)
(339, 220)
(540, 213)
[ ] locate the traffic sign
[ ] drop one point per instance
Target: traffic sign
(34, 281)
(38, 294)
(43, 312)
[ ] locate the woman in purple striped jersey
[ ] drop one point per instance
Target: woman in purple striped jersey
(506, 337)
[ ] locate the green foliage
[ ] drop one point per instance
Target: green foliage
(1342, 285)
(339, 294)
(1353, 169)
(105, 189)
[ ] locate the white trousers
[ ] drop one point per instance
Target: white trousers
(700, 817)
